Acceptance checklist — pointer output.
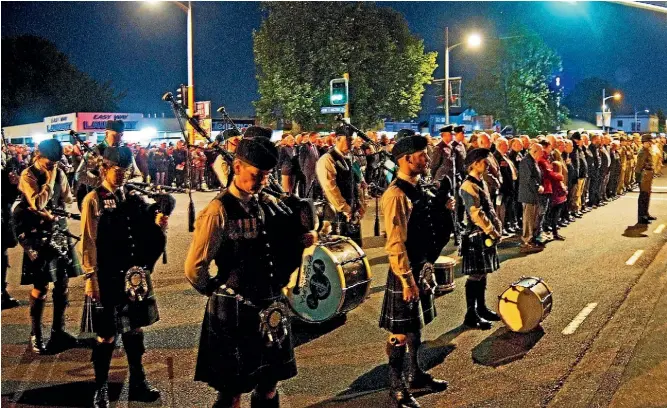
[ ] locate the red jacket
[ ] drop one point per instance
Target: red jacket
(549, 176)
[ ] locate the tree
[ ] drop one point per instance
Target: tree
(38, 81)
(585, 99)
(516, 84)
(661, 120)
(301, 46)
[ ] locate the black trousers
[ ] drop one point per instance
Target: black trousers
(642, 205)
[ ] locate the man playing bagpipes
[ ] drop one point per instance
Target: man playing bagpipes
(122, 238)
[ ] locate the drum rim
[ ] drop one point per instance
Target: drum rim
(544, 312)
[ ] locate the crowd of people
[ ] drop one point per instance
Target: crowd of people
(479, 189)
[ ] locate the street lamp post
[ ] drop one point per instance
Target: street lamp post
(616, 96)
(474, 40)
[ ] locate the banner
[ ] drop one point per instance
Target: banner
(60, 123)
(203, 110)
(607, 119)
(96, 121)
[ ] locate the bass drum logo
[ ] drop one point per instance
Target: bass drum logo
(320, 285)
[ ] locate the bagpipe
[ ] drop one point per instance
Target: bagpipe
(287, 218)
(44, 234)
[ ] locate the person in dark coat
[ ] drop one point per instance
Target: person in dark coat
(122, 238)
(506, 192)
(45, 189)
(595, 171)
(530, 187)
(10, 193)
(408, 303)
(442, 160)
(286, 163)
(308, 156)
(516, 155)
(614, 170)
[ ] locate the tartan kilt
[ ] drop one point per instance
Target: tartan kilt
(46, 270)
(399, 317)
(478, 259)
(233, 355)
(120, 315)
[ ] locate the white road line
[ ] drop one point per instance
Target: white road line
(660, 228)
(576, 322)
(634, 257)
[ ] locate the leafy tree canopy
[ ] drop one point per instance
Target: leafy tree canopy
(38, 81)
(515, 83)
(301, 46)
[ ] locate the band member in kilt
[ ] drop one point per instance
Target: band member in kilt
(122, 238)
(44, 187)
(341, 186)
(10, 192)
(87, 175)
(478, 241)
(408, 300)
(246, 339)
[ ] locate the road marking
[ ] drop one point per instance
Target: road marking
(576, 322)
(660, 228)
(634, 257)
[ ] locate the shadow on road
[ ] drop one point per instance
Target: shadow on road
(636, 231)
(76, 394)
(505, 346)
(305, 332)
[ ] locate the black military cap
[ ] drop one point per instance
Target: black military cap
(403, 133)
(51, 149)
(254, 131)
(447, 128)
(343, 131)
(259, 152)
(408, 145)
(116, 125)
(575, 136)
(476, 155)
(646, 137)
(459, 129)
(118, 156)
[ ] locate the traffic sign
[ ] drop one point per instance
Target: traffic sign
(332, 109)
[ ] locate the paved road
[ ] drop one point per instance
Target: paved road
(343, 364)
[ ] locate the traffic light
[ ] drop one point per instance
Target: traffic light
(338, 91)
(182, 94)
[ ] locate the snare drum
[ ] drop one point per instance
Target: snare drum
(336, 278)
(444, 275)
(525, 304)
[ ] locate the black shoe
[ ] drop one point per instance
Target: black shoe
(473, 320)
(403, 399)
(651, 218)
(142, 391)
(644, 221)
(8, 301)
(60, 340)
(101, 397)
(559, 237)
(563, 224)
(578, 214)
(37, 345)
(423, 380)
(510, 230)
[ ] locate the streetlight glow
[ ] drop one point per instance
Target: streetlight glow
(617, 96)
(474, 40)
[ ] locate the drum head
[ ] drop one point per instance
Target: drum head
(520, 307)
(321, 296)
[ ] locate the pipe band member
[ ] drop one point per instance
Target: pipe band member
(408, 304)
(644, 177)
(230, 140)
(88, 176)
(479, 240)
(122, 238)
(44, 187)
(236, 354)
(341, 186)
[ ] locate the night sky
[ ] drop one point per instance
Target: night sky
(142, 47)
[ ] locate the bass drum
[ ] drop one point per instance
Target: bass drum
(335, 278)
(525, 304)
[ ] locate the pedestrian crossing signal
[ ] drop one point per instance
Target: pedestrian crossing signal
(338, 91)
(182, 94)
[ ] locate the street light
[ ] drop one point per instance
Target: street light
(616, 96)
(473, 41)
(187, 9)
